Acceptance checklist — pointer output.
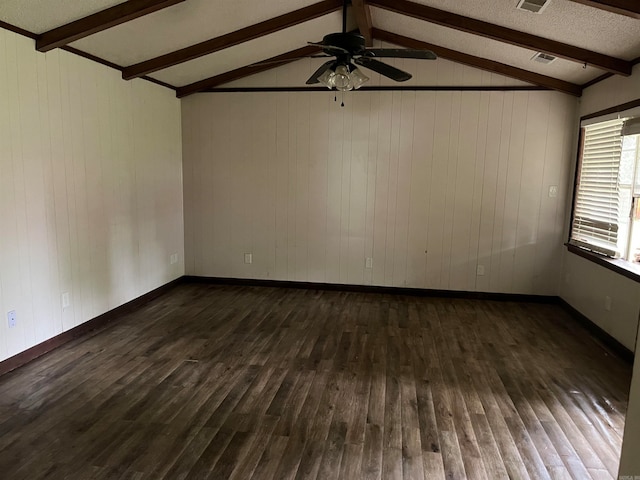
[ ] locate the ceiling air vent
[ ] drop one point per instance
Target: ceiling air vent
(534, 6)
(543, 58)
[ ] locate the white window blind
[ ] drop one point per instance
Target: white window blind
(595, 219)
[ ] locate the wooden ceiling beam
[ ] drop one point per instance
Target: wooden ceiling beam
(100, 21)
(362, 12)
(230, 39)
(252, 69)
(629, 8)
(481, 63)
(507, 35)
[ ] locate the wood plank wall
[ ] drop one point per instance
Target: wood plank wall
(428, 184)
(90, 190)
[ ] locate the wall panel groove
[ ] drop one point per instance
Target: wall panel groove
(428, 184)
(90, 191)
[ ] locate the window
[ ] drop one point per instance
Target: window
(606, 212)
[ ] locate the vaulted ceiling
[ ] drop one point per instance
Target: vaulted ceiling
(198, 45)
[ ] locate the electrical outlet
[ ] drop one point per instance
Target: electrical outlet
(368, 262)
(480, 270)
(607, 303)
(248, 258)
(12, 319)
(553, 191)
(173, 259)
(66, 300)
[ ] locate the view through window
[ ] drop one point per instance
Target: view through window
(606, 214)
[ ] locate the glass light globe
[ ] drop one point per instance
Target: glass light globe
(327, 78)
(341, 78)
(357, 78)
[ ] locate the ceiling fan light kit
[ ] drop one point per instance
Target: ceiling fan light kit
(349, 48)
(357, 78)
(343, 78)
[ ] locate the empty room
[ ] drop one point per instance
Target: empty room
(337, 239)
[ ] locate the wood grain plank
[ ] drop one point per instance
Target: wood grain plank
(278, 383)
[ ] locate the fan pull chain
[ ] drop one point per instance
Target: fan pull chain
(342, 104)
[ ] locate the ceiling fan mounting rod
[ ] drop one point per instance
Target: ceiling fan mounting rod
(344, 16)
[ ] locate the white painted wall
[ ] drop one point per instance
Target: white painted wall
(589, 283)
(90, 190)
(611, 92)
(428, 184)
(585, 284)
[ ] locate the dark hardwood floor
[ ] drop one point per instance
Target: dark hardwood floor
(248, 382)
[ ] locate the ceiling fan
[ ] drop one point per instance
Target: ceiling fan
(349, 48)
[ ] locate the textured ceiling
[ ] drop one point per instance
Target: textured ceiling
(185, 24)
(481, 47)
(561, 20)
(250, 52)
(38, 16)
(194, 21)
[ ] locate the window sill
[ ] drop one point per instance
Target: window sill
(628, 269)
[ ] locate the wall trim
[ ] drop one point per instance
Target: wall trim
(18, 30)
(88, 56)
(83, 329)
(112, 316)
(80, 53)
(607, 341)
(603, 77)
(624, 268)
(596, 80)
(604, 338)
(419, 292)
(384, 88)
(615, 109)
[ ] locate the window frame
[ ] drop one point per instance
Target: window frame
(607, 244)
(621, 266)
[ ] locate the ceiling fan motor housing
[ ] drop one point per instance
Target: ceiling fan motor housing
(354, 43)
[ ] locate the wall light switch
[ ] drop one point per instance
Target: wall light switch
(248, 258)
(66, 301)
(12, 318)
